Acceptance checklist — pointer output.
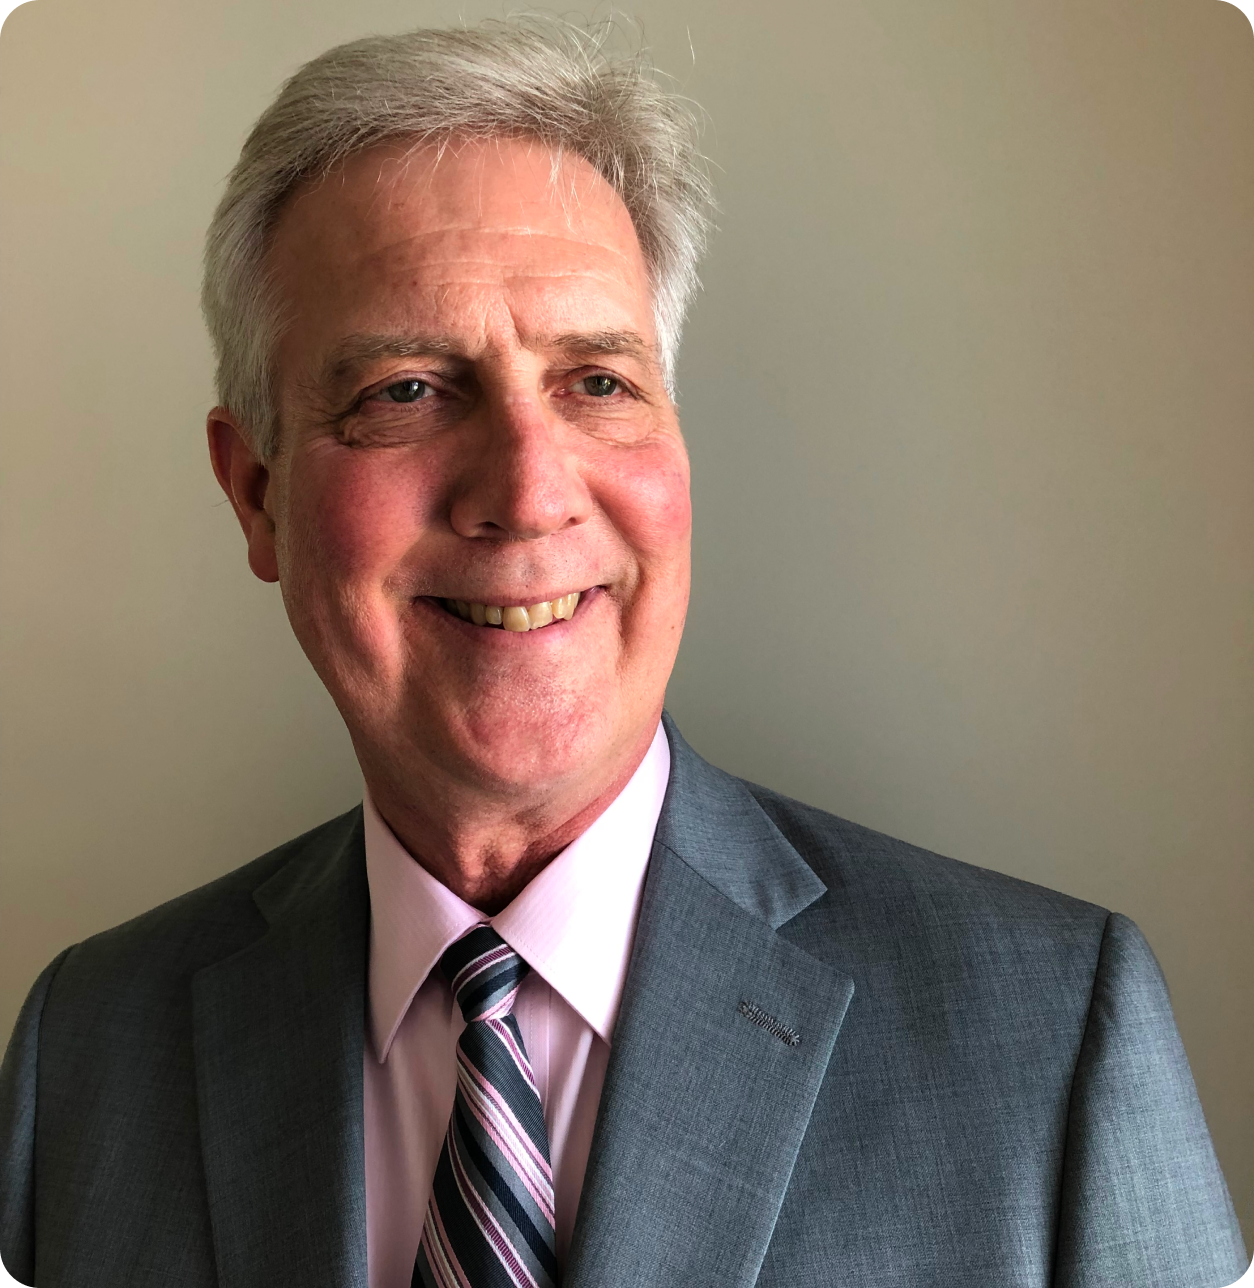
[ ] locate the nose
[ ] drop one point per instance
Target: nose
(521, 477)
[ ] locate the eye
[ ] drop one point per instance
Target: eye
(405, 391)
(600, 386)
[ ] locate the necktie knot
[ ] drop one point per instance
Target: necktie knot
(484, 973)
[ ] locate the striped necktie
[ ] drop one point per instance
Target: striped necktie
(489, 1220)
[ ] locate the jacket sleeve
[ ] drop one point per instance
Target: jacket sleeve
(17, 1133)
(1143, 1200)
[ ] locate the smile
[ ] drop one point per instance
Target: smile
(516, 618)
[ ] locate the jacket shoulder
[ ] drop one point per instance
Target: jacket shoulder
(175, 939)
(895, 880)
(843, 853)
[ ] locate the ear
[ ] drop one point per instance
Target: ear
(245, 479)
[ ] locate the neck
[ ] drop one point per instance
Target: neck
(485, 846)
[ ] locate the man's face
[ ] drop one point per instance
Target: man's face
(473, 409)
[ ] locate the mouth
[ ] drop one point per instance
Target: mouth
(515, 617)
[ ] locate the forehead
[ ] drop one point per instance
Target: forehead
(476, 236)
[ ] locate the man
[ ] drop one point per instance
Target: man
(560, 1003)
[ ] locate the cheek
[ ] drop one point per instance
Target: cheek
(355, 517)
(648, 501)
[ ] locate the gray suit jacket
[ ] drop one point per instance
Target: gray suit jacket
(840, 1060)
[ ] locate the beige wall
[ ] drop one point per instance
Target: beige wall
(969, 396)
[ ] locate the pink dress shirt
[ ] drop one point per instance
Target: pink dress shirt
(574, 923)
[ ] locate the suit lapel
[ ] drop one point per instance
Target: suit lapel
(722, 1040)
(278, 1033)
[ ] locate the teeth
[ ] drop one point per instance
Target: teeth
(515, 618)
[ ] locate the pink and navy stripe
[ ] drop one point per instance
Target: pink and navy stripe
(490, 1220)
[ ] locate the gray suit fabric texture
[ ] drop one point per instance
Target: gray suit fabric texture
(840, 1060)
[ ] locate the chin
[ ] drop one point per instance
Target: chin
(523, 746)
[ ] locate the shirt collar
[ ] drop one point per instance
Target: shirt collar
(574, 922)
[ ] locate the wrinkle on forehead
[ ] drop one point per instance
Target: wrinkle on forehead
(386, 248)
(527, 232)
(425, 253)
(524, 235)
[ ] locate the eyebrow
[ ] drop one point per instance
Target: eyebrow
(630, 343)
(355, 350)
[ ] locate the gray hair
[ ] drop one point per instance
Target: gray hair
(535, 78)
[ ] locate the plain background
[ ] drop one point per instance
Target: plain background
(969, 395)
